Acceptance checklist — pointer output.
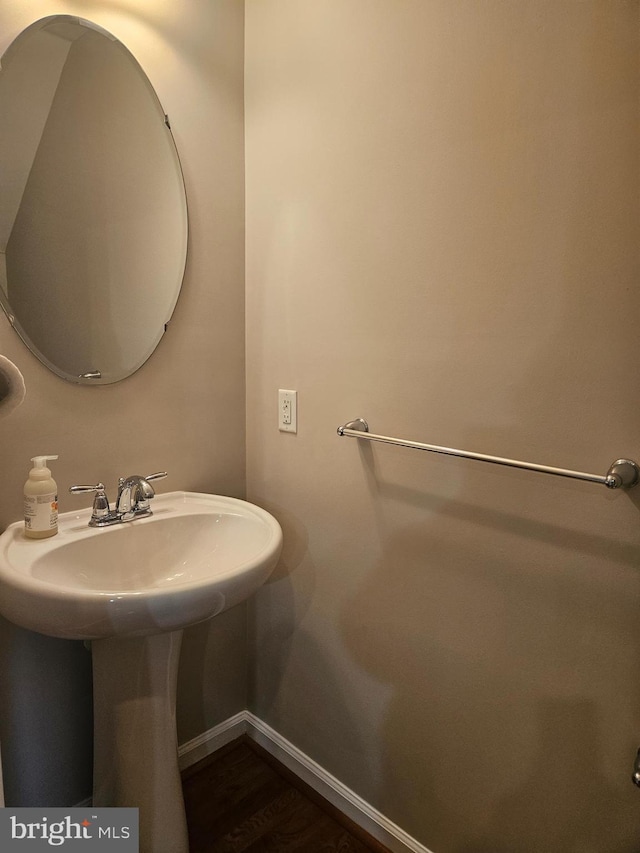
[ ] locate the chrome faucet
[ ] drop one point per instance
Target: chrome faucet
(134, 494)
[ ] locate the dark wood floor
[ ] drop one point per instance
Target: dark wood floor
(241, 799)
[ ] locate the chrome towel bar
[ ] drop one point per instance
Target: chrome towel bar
(622, 474)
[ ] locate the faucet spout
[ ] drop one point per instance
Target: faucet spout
(132, 491)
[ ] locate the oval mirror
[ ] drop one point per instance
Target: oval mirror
(93, 214)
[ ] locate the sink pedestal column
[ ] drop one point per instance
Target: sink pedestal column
(135, 741)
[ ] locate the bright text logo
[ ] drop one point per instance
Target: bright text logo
(26, 830)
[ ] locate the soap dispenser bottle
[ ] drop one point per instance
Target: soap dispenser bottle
(40, 501)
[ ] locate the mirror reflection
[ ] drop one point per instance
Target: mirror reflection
(93, 218)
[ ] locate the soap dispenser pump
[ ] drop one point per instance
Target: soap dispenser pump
(40, 501)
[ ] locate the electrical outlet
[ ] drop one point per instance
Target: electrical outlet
(287, 411)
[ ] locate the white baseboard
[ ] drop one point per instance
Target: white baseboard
(343, 798)
(208, 742)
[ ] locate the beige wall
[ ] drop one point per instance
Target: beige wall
(183, 411)
(442, 237)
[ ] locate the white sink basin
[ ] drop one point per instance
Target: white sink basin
(196, 556)
(131, 589)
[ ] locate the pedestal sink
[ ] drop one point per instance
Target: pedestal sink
(131, 589)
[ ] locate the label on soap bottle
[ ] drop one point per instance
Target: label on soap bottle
(40, 512)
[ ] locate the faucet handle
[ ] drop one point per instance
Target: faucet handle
(101, 507)
(160, 475)
(77, 490)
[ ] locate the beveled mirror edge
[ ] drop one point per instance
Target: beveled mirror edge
(93, 376)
